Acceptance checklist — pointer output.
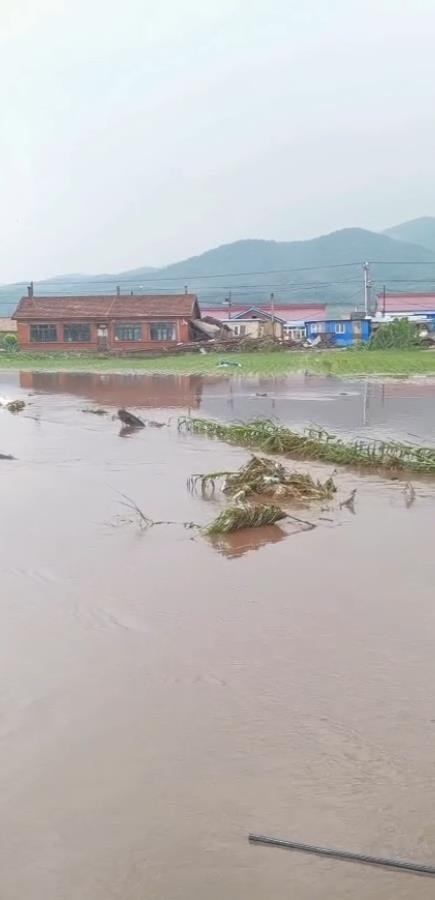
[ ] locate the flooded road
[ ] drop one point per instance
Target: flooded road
(161, 696)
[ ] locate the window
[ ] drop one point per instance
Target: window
(128, 332)
(43, 334)
(340, 328)
(163, 331)
(77, 334)
(240, 330)
(297, 334)
(317, 327)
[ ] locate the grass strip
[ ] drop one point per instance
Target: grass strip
(315, 444)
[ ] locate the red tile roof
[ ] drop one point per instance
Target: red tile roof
(406, 303)
(109, 306)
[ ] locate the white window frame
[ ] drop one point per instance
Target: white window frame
(340, 327)
(317, 327)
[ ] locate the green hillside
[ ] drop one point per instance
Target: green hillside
(417, 231)
(325, 269)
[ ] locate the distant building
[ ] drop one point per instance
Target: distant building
(105, 323)
(7, 326)
(341, 332)
(283, 322)
(414, 306)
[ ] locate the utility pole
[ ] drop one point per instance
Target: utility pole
(272, 312)
(367, 288)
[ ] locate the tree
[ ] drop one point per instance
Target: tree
(401, 334)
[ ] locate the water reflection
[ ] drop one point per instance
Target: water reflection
(241, 542)
(151, 391)
(392, 409)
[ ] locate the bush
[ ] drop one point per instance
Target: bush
(401, 334)
(9, 342)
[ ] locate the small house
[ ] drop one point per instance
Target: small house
(113, 323)
(341, 332)
(284, 322)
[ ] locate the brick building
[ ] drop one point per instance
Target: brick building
(112, 323)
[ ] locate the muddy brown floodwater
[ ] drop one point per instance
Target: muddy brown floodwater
(161, 696)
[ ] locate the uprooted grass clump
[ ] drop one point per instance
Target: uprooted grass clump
(15, 406)
(262, 476)
(244, 515)
(316, 444)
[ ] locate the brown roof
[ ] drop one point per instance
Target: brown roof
(110, 306)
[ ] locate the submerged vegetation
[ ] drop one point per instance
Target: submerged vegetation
(316, 444)
(245, 515)
(262, 476)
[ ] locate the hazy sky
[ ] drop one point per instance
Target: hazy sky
(137, 133)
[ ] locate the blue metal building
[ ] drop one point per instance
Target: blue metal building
(342, 332)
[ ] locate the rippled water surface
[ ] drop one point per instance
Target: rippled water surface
(162, 696)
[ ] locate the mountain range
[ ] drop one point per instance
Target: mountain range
(327, 268)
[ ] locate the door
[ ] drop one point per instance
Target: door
(102, 337)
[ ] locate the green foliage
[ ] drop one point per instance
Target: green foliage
(245, 515)
(401, 334)
(9, 342)
(316, 444)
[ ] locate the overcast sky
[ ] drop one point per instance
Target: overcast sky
(139, 133)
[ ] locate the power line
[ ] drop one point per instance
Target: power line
(402, 262)
(149, 279)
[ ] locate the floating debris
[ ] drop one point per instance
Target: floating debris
(154, 424)
(244, 515)
(229, 364)
(129, 419)
(410, 495)
(6, 456)
(262, 476)
(15, 406)
(145, 521)
(350, 502)
(96, 412)
(316, 444)
(420, 868)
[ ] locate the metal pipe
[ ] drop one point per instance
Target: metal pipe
(344, 854)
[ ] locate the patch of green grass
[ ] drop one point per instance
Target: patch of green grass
(263, 363)
(316, 444)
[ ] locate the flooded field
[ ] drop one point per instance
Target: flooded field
(162, 695)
